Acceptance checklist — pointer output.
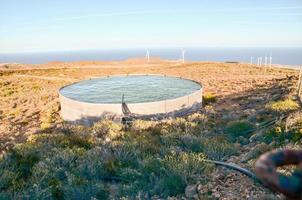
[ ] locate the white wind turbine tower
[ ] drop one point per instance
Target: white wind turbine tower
(148, 56)
(260, 61)
(252, 60)
(265, 62)
(183, 52)
(270, 60)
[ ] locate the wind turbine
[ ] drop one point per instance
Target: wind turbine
(183, 52)
(148, 56)
(252, 60)
(265, 62)
(270, 60)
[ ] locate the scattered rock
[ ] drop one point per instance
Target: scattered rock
(267, 197)
(216, 195)
(242, 140)
(272, 144)
(249, 112)
(232, 159)
(191, 192)
(256, 137)
(255, 151)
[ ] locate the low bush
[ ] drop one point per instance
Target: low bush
(283, 106)
(279, 135)
(275, 134)
(297, 131)
(106, 130)
(217, 147)
(186, 165)
(209, 98)
(140, 125)
(235, 129)
(74, 162)
(172, 185)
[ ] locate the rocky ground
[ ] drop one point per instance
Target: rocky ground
(29, 104)
(228, 184)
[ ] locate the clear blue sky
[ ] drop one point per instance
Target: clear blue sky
(52, 25)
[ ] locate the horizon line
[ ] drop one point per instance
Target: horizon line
(151, 48)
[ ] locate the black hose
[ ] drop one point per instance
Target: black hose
(264, 125)
(236, 168)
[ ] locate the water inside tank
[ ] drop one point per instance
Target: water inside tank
(136, 89)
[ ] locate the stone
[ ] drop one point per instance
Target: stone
(242, 140)
(255, 151)
(201, 189)
(232, 159)
(267, 197)
(191, 191)
(256, 137)
(216, 195)
(272, 144)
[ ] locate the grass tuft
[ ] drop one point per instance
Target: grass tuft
(209, 98)
(283, 106)
(236, 129)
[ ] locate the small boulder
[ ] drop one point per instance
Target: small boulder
(256, 137)
(255, 152)
(191, 192)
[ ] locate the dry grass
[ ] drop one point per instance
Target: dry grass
(29, 94)
(283, 106)
(160, 158)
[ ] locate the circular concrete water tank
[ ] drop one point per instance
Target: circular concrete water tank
(144, 95)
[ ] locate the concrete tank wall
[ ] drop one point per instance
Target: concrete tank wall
(76, 111)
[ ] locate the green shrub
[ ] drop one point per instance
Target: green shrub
(78, 141)
(191, 143)
(146, 142)
(236, 129)
(181, 125)
(63, 141)
(283, 106)
(279, 135)
(275, 134)
(156, 158)
(197, 117)
(217, 147)
(297, 131)
(152, 165)
(106, 129)
(7, 177)
(86, 191)
(172, 185)
(187, 165)
(209, 98)
(140, 125)
(23, 158)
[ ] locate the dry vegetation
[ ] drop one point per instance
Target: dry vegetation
(42, 157)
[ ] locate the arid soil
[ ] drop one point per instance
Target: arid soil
(29, 104)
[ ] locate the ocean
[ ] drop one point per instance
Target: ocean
(282, 56)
